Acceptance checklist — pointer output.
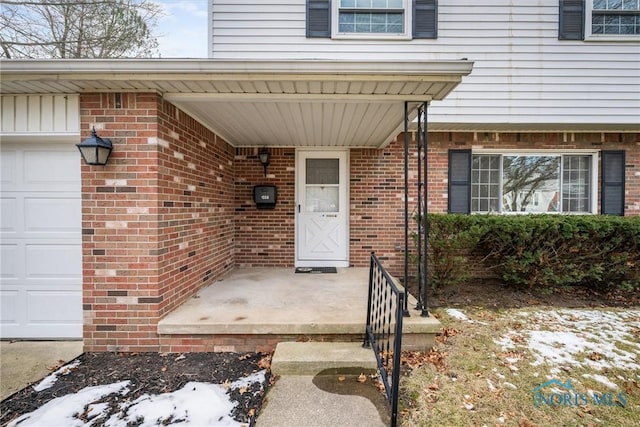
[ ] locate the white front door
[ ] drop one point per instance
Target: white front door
(41, 246)
(322, 231)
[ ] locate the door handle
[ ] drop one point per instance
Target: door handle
(298, 208)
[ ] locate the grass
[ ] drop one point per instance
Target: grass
(475, 381)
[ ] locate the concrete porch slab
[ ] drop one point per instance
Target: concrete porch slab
(277, 301)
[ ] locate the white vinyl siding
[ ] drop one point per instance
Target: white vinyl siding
(40, 114)
(522, 73)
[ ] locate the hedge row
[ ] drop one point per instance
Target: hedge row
(548, 251)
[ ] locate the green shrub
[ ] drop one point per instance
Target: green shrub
(451, 240)
(552, 251)
(547, 252)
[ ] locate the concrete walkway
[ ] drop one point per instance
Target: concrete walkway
(317, 385)
(25, 362)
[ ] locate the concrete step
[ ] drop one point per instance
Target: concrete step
(311, 358)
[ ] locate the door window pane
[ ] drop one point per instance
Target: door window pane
(322, 199)
(323, 171)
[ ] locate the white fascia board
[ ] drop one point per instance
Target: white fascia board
(182, 67)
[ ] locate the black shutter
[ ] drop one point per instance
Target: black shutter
(318, 18)
(612, 197)
(571, 17)
(425, 19)
(459, 181)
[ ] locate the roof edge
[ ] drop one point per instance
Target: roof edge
(189, 66)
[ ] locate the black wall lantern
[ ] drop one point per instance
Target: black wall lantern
(265, 158)
(95, 150)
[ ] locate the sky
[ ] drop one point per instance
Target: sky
(182, 31)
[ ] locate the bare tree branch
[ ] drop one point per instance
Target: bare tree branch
(78, 28)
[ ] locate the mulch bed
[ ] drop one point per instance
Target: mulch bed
(150, 373)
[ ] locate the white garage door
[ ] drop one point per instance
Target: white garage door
(41, 258)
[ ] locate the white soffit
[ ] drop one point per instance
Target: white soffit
(254, 103)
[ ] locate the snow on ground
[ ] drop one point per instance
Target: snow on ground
(459, 315)
(61, 411)
(456, 314)
(589, 338)
(51, 379)
(602, 380)
(198, 404)
(195, 404)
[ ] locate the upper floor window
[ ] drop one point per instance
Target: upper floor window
(388, 17)
(615, 17)
(599, 20)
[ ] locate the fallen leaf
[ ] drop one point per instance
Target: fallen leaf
(163, 369)
(242, 390)
(341, 378)
(265, 362)
(362, 378)
(595, 356)
(433, 386)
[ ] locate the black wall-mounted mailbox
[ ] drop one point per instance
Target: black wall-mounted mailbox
(265, 196)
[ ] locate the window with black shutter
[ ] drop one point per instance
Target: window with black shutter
(571, 20)
(402, 19)
(613, 181)
(459, 181)
(425, 19)
(318, 18)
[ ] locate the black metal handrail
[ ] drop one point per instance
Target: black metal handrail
(384, 329)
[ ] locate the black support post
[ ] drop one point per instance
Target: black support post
(406, 205)
(423, 226)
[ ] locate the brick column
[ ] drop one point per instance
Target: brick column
(157, 220)
(120, 225)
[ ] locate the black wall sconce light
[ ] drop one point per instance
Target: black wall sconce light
(265, 158)
(95, 150)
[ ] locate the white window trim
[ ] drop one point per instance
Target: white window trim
(588, 27)
(408, 26)
(595, 167)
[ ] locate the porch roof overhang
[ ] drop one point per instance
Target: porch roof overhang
(303, 103)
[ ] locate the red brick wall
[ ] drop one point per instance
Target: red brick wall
(196, 217)
(265, 237)
(157, 221)
(377, 204)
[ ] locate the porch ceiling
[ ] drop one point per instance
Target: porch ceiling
(256, 103)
